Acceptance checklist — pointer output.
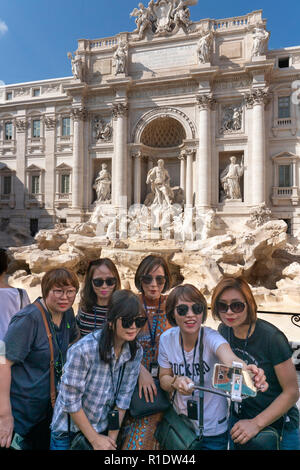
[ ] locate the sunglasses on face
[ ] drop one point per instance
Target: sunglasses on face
(109, 281)
(235, 307)
(147, 279)
(128, 322)
(183, 309)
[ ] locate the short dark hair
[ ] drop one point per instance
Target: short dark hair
(123, 303)
(147, 265)
(186, 292)
(88, 298)
(243, 287)
(3, 261)
(58, 277)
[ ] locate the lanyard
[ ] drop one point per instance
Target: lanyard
(119, 382)
(152, 333)
(185, 363)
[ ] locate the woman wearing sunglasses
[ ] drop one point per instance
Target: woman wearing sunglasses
(258, 341)
(179, 362)
(99, 378)
(101, 280)
(152, 279)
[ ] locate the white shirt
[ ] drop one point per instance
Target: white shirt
(170, 356)
(10, 303)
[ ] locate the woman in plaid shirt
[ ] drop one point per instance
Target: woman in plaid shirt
(99, 376)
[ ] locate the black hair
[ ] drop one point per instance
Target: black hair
(3, 261)
(147, 265)
(123, 303)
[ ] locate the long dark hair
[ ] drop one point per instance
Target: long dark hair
(88, 297)
(3, 261)
(123, 303)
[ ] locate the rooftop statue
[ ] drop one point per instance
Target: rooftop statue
(260, 38)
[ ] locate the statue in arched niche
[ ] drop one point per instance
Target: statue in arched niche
(159, 179)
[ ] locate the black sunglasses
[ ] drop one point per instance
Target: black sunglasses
(128, 322)
(147, 279)
(109, 281)
(183, 309)
(235, 307)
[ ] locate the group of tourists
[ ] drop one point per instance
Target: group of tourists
(67, 382)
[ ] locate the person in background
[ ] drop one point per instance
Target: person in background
(178, 358)
(25, 382)
(11, 299)
(101, 280)
(258, 341)
(99, 377)
(152, 280)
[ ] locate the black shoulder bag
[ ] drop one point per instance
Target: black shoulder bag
(176, 432)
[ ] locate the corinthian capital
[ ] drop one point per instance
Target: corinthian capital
(257, 96)
(21, 125)
(119, 109)
(205, 101)
(79, 114)
(50, 122)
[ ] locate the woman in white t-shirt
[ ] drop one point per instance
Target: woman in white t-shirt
(178, 359)
(11, 300)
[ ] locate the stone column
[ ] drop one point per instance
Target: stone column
(79, 115)
(20, 186)
(119, 162)
(182, 157)
(50, 180)
(203, 190)
(257, 99)
(189, 178)
(137, 190)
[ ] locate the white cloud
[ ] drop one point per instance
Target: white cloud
(3, 27)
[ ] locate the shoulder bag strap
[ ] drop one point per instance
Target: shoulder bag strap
(49, 336)
(201, 392)
(21, 298)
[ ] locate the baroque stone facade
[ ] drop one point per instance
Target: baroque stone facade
(193, 94)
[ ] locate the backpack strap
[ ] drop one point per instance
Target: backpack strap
(49, 336)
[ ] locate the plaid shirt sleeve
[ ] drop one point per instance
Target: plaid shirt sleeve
(129, 381)
(73, 382)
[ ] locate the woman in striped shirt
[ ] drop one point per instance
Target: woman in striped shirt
(101, 280)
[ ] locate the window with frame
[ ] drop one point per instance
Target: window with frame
(65, 184)
(36, 128)
(66, 127)
(285, 176)
(284, 110)
(36, 92)
(7, 185)
(8, 131)
(35, 184)
(9, 96)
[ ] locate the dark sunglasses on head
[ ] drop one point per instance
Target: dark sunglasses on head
(183, 309)
(235, 307)
(109, 281)
(147, 279)
(128, 322)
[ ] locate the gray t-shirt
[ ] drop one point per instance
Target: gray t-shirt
(27, 346)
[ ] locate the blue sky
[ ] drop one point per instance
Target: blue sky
(35, 35)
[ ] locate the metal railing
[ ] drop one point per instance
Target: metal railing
(295, 317)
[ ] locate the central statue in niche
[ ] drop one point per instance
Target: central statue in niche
(159, 179)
